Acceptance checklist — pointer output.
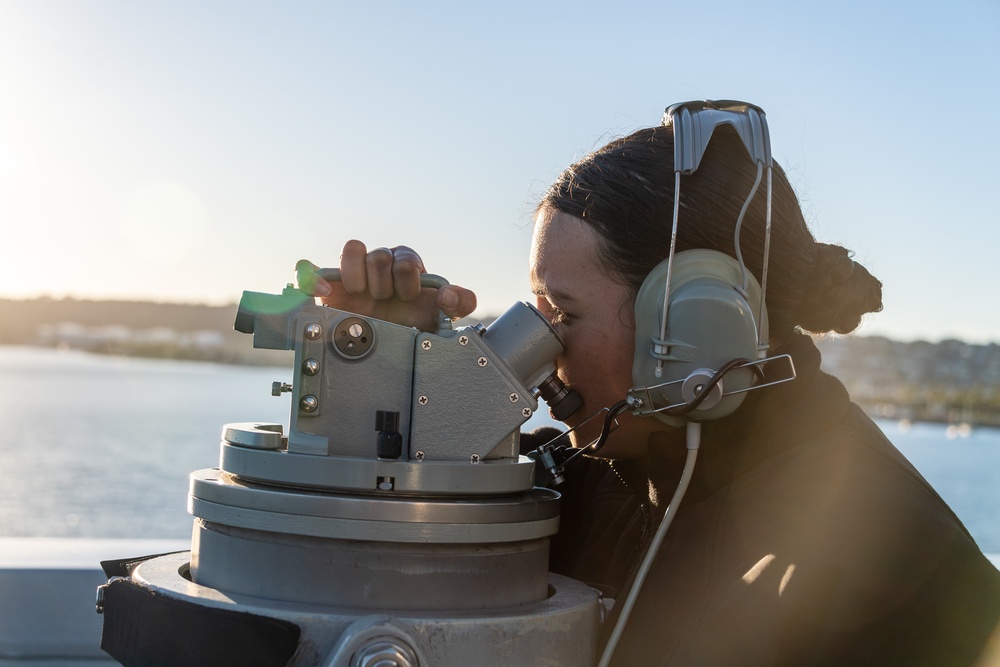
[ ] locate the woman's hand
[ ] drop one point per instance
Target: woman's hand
(385, 284)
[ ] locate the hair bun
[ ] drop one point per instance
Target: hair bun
(839, 292)
(832, 266)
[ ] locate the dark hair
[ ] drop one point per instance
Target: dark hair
(625, 192)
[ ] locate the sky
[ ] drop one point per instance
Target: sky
(186, 151)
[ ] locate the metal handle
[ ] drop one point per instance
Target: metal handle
(427, 280)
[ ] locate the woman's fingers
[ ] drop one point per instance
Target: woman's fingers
(394, 272)
(378, 264)
(308, 280)
(385, 283)
(406, 269)
(354, 267)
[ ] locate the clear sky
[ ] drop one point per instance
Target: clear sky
(189, 150)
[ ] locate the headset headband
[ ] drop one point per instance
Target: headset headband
(693, 124)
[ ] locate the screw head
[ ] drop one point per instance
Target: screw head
(463, 340)
(513, 397)
(101, 590)
(308, 403)
(482, 361)
(310, 367)
(526, 412)
(385, 653)
(419, 455)
(313, 331)
(426, 344)
(474, 458)
(422, 400)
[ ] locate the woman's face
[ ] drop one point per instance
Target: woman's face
(593, 315)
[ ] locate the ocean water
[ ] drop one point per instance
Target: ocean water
(101, 447)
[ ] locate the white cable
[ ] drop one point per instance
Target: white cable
(739, 223)
(693, 442)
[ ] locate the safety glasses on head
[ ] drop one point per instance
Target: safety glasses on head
(694, 123)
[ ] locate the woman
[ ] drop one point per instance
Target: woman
(805, 537)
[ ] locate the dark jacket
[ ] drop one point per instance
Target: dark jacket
(805, 538)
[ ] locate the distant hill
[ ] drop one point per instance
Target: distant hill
(139, 328)
(19, 320)
(950, 381)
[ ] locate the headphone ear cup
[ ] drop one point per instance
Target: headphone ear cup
(710, 322)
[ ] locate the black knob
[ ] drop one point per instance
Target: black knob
(389, 445)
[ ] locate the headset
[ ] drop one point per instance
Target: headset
(701, 335)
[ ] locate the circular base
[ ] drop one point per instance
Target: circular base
(221, 498)
(340, 473)
(560, 629)
(368, 575)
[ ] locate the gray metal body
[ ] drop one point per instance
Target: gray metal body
(395, 523)
(459, 397)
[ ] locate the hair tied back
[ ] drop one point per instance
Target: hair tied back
(839, 293)
(832, 266)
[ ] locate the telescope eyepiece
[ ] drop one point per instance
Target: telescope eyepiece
(562, 400)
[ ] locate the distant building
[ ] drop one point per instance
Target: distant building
(121, 339)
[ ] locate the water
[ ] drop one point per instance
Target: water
(965, 471)
(101, 447)
(96, 446)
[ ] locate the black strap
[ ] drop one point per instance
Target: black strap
(147, 629)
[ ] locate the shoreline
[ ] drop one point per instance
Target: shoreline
(245, 355)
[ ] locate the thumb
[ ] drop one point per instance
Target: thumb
(456, 301)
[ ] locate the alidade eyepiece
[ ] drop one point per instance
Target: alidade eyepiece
(562, 400)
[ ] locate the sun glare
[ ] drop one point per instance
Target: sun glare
(162, 221)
